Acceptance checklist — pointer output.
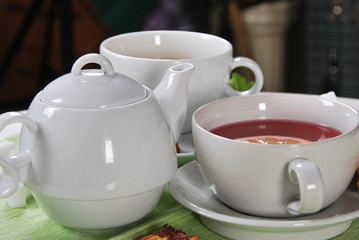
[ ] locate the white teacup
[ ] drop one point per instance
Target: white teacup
(145, 56)
(277, 180)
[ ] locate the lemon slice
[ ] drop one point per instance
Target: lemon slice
(272, 139)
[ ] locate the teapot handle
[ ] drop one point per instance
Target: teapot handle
(92, 58)
(15, 167)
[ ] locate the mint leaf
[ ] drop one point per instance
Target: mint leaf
(239, 83)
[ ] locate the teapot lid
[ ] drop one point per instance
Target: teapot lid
(92, 88)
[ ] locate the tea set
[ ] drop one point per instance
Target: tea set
(97, 146)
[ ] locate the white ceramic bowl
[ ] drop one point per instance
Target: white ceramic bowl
(145, 56)
(259, 178)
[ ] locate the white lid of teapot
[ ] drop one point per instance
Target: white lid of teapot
(92, 88)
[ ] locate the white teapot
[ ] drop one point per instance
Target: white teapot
(97, 148)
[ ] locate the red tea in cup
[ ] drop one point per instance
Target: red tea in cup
(276, 131)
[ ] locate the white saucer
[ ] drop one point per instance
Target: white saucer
(190, 190)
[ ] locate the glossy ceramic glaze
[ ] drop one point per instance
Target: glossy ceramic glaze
(95, 215)
(122, 156)
(189, 189)
(259, 178)
(155, 51)
(96, 148)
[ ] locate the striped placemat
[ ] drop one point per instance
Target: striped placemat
(32, 223)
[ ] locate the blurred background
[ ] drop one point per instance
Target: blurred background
(304, 46)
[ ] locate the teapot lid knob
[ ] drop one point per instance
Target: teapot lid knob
(92, 58)
(93, 88)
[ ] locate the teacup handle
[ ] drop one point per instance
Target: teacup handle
(308, 176)
(14, 168)
(258, 75)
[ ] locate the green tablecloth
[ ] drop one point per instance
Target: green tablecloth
(31, 223)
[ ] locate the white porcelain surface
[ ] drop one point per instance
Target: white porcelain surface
(92, 88)
(190, 190)
(145, 56)
(233, 168)
(98, 154)
(99, 215)
(106, 154)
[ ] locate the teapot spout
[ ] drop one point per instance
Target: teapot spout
(172, 93)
